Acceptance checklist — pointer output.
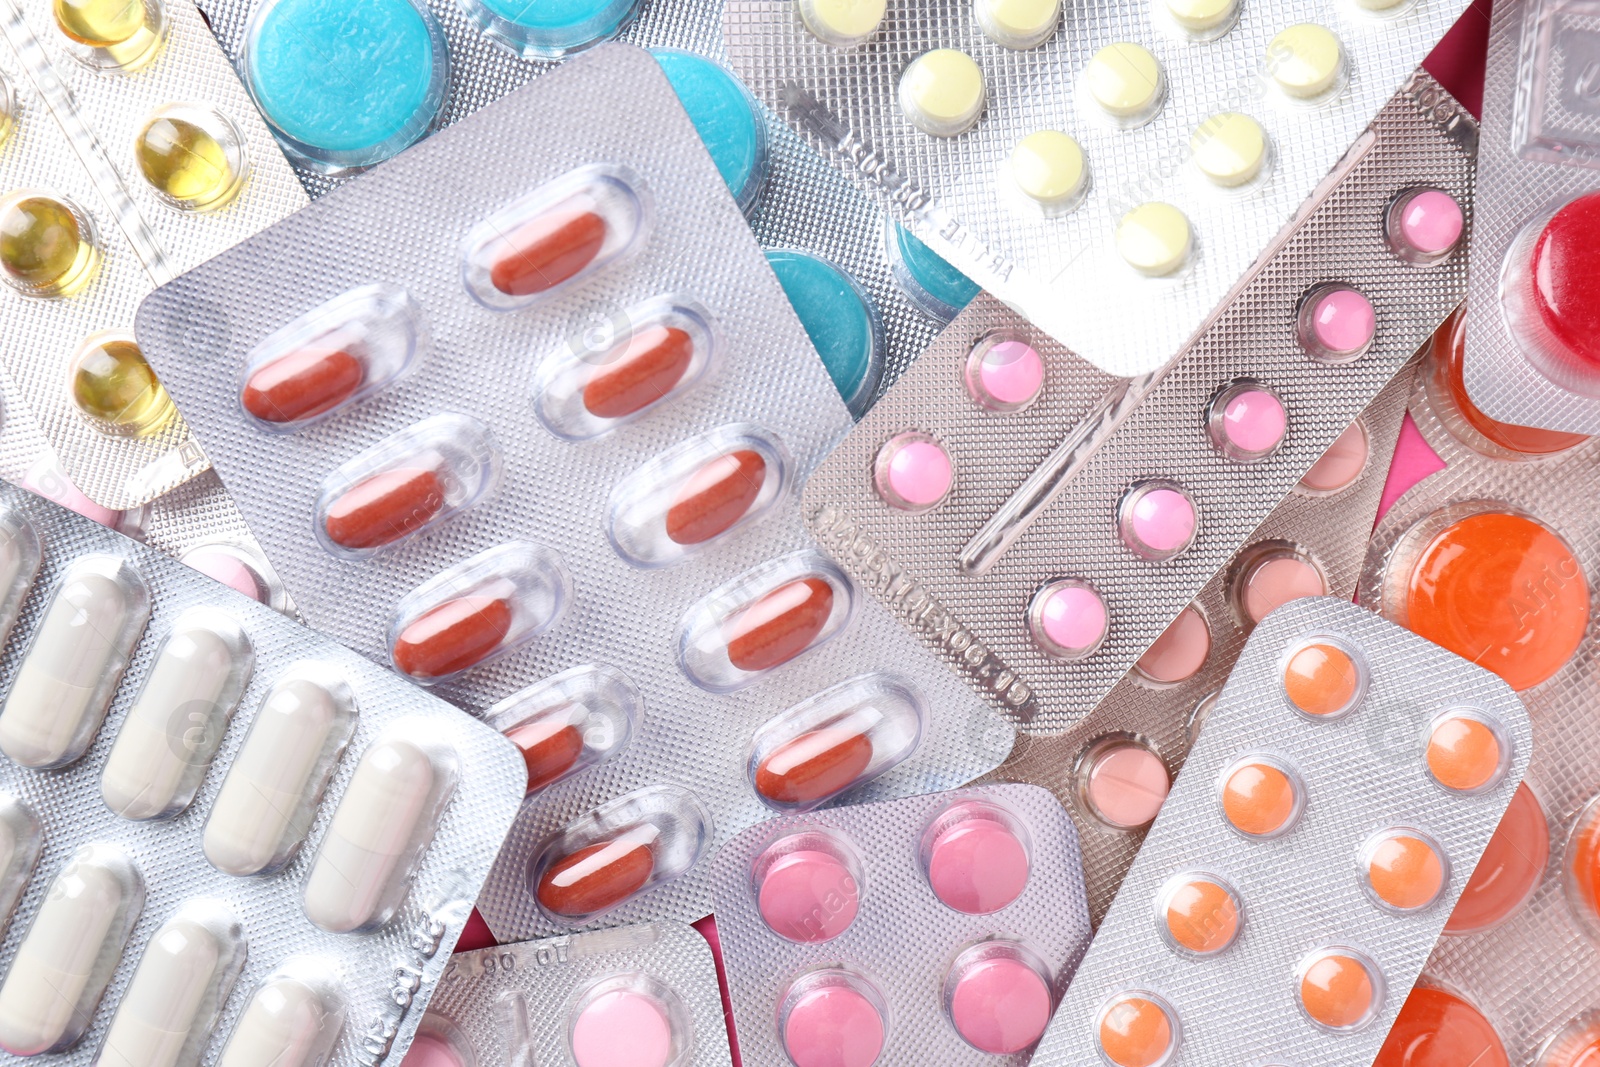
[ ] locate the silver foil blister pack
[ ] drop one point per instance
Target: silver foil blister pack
(1127, 264)
(1310, 853)
(567, 506)
(942, 928)
(227, 838)
(72, 167)
(1035, 570)
(648, 991)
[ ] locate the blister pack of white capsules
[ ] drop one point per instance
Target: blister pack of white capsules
(645, 996)
(1343, 787)
(1112, 171)
(133, 154)
(1042, 570)
(544, 453)
(223, 838)
(1114, 769)
(1532, 358)
(931, 929)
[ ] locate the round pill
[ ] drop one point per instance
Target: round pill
(1000, 1005)
(1126, 785)
(1577, 1046)
(1436, 1028)
(1583, 862)
(838, 316)
(1136, 1031)
(1341, 464)
(1274, 580)
(186, 162)
(814, 766)
(937, 289)
(1203, 17)
(99, 23)
(1155, 239)
(779, 625)
(1069, 619)
(1018, 23)
(1447, 389)
(596, 877)
(622, 1028)
(432, 1050)
(1464, 753)
(1564, 280)
(1201, 914)
(115, 388)
(1004, 374)
(1425, 225)
(1504, 591)
(1049, 168)
(1158, 522)
(45, 247)
(1337, 323)
(1511, 868)
(1321, 680)
(833, 1026)
(1250, 423)
(942, 92)
(913, 472)
(1260, 799)
(842, 23)
(1179, 653)
(724, 115)
(1404, 870)
(978, 866)
(808, 897)
(1229, 148)
(550, 748)
(1337, 990)
(557, 27)
(1306, 61)
(1126, 81)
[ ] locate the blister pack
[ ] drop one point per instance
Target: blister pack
(1042, 570)
(597, 492)
(642, 995)
(133, 154)
(1531, 356)
(225, 837)
(1348, 777)
(931, 929)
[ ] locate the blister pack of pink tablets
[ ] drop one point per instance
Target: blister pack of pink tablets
(932, 929)
(1042, 570)
(546, 459)
(645, 996)
(1344, 786)
(223, 837)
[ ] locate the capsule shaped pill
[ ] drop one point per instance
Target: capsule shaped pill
(20, 844)
(290, 1021)
(74, 662)
(716, 496)
(779, 626)
(66, 958)
(814, 766)
(576, 719)
(384, 508)
(19, 565)
(598, 877)
(302, 384)
(382, 826)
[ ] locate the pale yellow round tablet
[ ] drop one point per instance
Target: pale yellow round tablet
(843, 23)
(1125, 80)
(1155, 238)
(1202, 16)
(1229, 148)
(942, 92)
(1306, 60)
(1018, 23)
(1048, 167)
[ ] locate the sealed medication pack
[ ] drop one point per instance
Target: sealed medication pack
(128, 153)
(641, 996)
(1042, 570)
(931, 929)
(225, 837)
(1344, 785)
(545, 455)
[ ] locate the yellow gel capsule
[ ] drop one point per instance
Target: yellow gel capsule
(1048, 167)
(942, 92)
(1155, 239)
(116, 389)
(1229, 148)
(46, 248)
(100, 23)
(186, 163)
(1125, 80)
(1306, 61)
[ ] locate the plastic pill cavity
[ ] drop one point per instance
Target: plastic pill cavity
(104, 23)
(942, 92)
(1339, 989)
(1018, 24)
(21, 841)
(1126, 82)
(1548, 297)
(1049, 168)
(1137, 1029)
(1261, 796)
(1511, 868)
(114, 389)
(20, 556)
(1122, 782)
(1403, 869)
(1157, 520)
(1246, 421)
(1004, 373)
(549, 31)
(1583, 865)
(975, 857)
(240, 567)
(1321, 679)
(193, 157)
(1155, 239)
(1341, 464)
(292, 1019)
(833, 1018)
(1179, 653)
(573, 720)
(725, 115)
(842, 23)
(629, 1020)
(1068, 619)
(998, 997)
(1269, 576)
(1307, 63)
(1437, 1028)
(808, 887)
(1576, 1045)
(1336, 323)
(47, 244)
(1424, 225)
(1198, 913)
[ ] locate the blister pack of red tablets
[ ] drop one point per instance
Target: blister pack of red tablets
(932, 929)
(543, 453)
(1042, 570)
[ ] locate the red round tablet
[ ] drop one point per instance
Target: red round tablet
(1564, 274)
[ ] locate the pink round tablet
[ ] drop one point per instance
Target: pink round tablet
(978, 866)
(1179, 653)
(1005, 375)
(1000, 1005)
(1341, 464)
(1253, 423)
(913, 472)
(1427, 223)
(431, 1050)
(622, 1029)
(1158, 522)
(1277, 580)
(808, 896)
(1069, 619)
(833, 1026)
(49, 480)
(226, 568)
(1127, 784)
(1337, 323)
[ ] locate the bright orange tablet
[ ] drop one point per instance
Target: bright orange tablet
(1584, 861)
(1136, 1032)
(1201, 915)
(1321, 679)
(1436, 1028)
(1464, 754)
(1404, 870)
(1337, 990)
(1259, 799)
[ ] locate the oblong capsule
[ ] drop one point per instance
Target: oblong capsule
(334, 355)
(762, 619)
(406, 483)
(19, 566)
(293, 1019)
(383, 824)
(61, 968)
(169, 735)
(576, 719)
(177, 992)
(270, 795)
(696, 492)
(562, 232)
(835, 740)
(74, 663)
(21, 841)
(615, 373)
(479, 609)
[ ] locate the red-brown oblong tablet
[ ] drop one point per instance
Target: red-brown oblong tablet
(596, 877)
(452, 636)
(716, 496)
(813, 766)
(653, 362)
(779, 626)
(549, 747)
(302, 384)
(548, 249)
(384, 508)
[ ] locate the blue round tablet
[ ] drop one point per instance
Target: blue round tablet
(726, 117)
(933, 285)
(840, 320)
(550, 29)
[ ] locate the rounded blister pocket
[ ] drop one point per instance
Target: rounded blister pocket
(294, 1017)
(976, 856)
(630, 1018)
(808, 885)
(549, 31)
(997, 995)
(831, 1016)
(577, 719)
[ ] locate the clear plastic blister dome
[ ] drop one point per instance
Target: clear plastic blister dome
(569, 722)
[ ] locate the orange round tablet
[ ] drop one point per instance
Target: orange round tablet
(1135, 1031)
(1202, 915)
(1436, 1028)
(1337, 989)
(1583, 861)
(1321, 679)
(1464, 753)
(1404, 869)
(1259, 798)
(1577, 1046)
(1503, 591)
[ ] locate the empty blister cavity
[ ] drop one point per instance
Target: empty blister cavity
(942, 92)
(275, 782)
(74, 662)
(1246, 421)
(549, 30)
(21, 841)
(808, 886)
(837, 739)
(1424, 225)
(67, 957)
(913, 472)
(48, 244)
(1004, 373)
(335, 355)
(1068, 619)
(976, 855)
(1511, 869)
(292, 1019)
(478, 610)
(168, 737)
(1198, 913)
(839, 317)
(697, 492)
(123, 36)
(631, 1019)
(384, 823)
(1547, 297)
(842, 23)
(1157, 519)
(1403, 869)
(576, 719)
(1137, 1028)
(1122, 782)
(1124, 82)
(1018, 24)
(1339, 988)
(193, 157)
(621, 849)
(997, 995)
(833, 1017)
(730, 123)
(406, 483)
(763, 619)
(555, 236)
(618, 369)
(111, 385)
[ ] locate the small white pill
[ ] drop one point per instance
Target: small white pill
(176, 992)
(20, 844)
(288, 1023)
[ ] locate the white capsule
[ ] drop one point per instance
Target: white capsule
(384, 822)
(170, 734)
(69, 953)
(71, 669)
(268, 799)
(20, 844)
(19, 565)
(289, 1022)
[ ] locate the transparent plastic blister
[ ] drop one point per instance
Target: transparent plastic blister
(1311, 781)
(200, 840)
(1041, 571)
(934, 929)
